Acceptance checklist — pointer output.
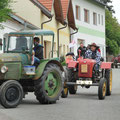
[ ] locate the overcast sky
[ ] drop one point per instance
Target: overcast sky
(116, 4)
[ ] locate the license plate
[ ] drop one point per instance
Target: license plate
(82, 82)
(84, 68)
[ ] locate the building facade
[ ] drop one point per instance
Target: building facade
(90, 21)
(35, 12)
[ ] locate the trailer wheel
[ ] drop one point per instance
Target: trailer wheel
(88, 86)
(72, 89)
(108, 76)
(64, 92)
(11, 94)
(102, 89)
(48, 88)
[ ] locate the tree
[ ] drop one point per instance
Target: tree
(4, 10)
(112, 33)
(108, 6)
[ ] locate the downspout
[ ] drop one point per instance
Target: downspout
(42, 27)
(73, 34)
(58, 35)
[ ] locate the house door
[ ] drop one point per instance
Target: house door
(47, 49)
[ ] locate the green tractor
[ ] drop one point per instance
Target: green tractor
(18, 75)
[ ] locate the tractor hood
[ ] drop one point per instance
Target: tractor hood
(15, 57)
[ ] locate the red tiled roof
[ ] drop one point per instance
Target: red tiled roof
(65, 5)
(46, 3)
(71, 20)
(58, 11)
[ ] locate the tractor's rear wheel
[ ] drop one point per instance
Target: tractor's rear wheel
(87, 86)
(102, 89)
(49, 87)
(72, 88)
(11, 94)
(108, 76)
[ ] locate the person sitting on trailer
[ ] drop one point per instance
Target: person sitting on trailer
(83, 50)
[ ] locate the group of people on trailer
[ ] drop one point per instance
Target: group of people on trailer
(91, 52)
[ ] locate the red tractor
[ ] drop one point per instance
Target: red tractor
(116, 61)
(83, 73)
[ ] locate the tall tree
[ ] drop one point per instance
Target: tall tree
(112, 34)
(108, 5)
(4, 10)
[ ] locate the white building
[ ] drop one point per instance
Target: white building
(13, 25)
(90, 21)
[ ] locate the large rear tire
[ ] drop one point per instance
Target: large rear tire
(108, 76)
(11, 94)
(49, 87)
(102, 89)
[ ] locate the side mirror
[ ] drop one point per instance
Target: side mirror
(79, 53)
(1, 44)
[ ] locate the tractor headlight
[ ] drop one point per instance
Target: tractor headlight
(4, 69)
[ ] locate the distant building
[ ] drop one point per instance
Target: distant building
(90, 21)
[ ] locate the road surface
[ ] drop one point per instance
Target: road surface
(83, 106)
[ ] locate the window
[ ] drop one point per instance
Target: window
(102, 19)
(99, 19)
(77, 12)
(94, 18)
(86, 15)
(17, 44)
(0, 44)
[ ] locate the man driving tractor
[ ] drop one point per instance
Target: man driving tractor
(38, 49)
(93, 53)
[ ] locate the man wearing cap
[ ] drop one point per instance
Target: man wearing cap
(93, 53)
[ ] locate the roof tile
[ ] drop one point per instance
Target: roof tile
(47, 4)
(65, 5)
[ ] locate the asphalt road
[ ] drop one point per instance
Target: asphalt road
(83, 106)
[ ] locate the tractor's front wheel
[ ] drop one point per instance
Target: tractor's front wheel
(108, 76)
(72, 88)
(11, 94)
(48, 88)
(102, 89)
(64, 92)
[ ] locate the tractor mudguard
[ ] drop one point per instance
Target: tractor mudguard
(41, 67)
(106, 65)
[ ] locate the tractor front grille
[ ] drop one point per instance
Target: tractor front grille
(14, 71)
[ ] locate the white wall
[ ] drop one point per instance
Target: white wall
(99, 28)
(9, 26)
